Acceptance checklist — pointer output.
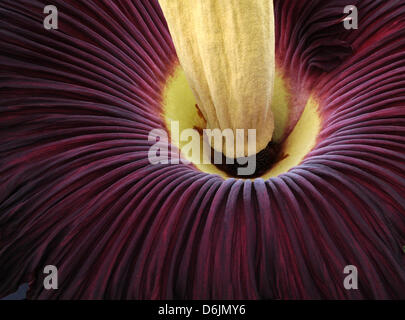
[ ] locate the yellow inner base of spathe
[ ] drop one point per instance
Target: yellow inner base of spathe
(179, 105)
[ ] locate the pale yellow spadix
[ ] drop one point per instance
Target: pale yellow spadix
(227, 51)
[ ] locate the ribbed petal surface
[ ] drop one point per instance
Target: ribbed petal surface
(77, 190)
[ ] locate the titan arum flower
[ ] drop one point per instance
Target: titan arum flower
(78, 191)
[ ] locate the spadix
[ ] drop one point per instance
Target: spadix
(226, 49)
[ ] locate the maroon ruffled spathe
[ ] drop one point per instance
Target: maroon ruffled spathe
(77, 190)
